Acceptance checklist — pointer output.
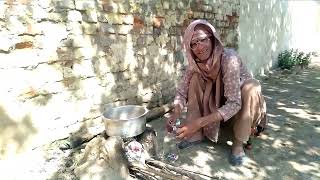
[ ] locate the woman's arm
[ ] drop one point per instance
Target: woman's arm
(230, 64)
(181, 97)
(180, 100)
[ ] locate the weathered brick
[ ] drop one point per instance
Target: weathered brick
(85, 53)
(219, 17)
(124, 29)
(85, 4)
(3, 8)
(181, 5)
(173, 30)
(81, 41)
(58, 17)
(34, 29)
(68, 4)
(15, 26)
(90, 15)
(166, 5)
(45, 3)
(107, 28)
(104, 40)
(198, 14)
(228, 10)
(180, 19)
(102, 17)
(209, 1)
(89, 28)
(138, 23)
(109, 6)
(206, 8)
(113, 18)
(128, 19)
(66, 43)
(157, 22)
(209, 15)
(74, 16)
(74, 28)
(123, 7)
(38, 13)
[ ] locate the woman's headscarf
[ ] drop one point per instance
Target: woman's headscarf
(213, 62)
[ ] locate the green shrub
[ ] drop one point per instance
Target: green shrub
(291, 58)
(286, 59)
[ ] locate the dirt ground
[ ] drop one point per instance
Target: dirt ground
(289, 149)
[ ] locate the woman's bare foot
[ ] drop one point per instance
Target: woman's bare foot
(237, 148)
(237, 156)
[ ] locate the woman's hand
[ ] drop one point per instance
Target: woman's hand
(188, 130)
(171, 120)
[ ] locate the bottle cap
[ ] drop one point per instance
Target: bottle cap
(178, 122)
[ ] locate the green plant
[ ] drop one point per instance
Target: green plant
(304, 61)
(286, 59)
(291, 58)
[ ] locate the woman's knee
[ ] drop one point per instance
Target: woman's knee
(249, 86)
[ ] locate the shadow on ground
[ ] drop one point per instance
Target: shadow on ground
(289, 149)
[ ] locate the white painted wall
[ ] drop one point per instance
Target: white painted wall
(268, 27)
(305, 25)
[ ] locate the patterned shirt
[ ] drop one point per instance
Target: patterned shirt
(234, 73)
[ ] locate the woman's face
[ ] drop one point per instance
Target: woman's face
(201, 44)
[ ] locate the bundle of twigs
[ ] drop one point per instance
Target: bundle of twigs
(156, 170)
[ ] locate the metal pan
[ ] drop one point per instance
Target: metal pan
(125, 121)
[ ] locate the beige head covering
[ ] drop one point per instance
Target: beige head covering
(213, 64)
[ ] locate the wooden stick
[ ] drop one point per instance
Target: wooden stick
(158, 112)
(175, 169)
(188, 173)
(168, 172)
(143, 174)
(155, 172)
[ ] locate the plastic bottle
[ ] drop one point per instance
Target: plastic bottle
(175, 127)
(171, 142)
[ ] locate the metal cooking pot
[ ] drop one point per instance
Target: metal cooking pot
(125, 121)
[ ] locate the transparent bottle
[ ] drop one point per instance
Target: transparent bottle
(171, 150)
